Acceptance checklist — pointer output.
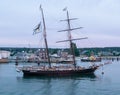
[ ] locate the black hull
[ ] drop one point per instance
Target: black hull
(59, 72)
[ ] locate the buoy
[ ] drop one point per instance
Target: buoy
(16, 64)
(102, 73)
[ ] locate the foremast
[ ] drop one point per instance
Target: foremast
(45, 36)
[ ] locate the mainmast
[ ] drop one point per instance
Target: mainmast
(69, 35)
(44, 35)
(69, 38)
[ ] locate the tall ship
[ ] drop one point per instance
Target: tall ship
(58, 70)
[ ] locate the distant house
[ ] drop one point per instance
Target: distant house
(41, 53)
(105, 53)
(4, 54)
(64, 54)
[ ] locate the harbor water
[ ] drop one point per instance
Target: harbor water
(14, 83)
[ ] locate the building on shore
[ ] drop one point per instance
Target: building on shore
(4, 55)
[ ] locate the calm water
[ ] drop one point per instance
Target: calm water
(13, 83)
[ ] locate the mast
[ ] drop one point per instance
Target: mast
(69, 35)
(44, 35)
(69, 38)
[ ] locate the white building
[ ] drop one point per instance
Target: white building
(4, 54)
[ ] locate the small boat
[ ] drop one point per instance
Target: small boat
(91, 59)
(50, 70)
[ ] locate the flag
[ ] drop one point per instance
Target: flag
(65, 9)
(37, 29)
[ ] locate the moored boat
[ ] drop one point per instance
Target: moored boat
(91, 59)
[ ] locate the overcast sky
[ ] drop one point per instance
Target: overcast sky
(100, 19)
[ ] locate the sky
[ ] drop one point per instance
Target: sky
(100, 20)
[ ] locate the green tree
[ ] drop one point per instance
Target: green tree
(75, 49)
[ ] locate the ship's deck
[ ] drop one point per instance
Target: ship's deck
(53, 68)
